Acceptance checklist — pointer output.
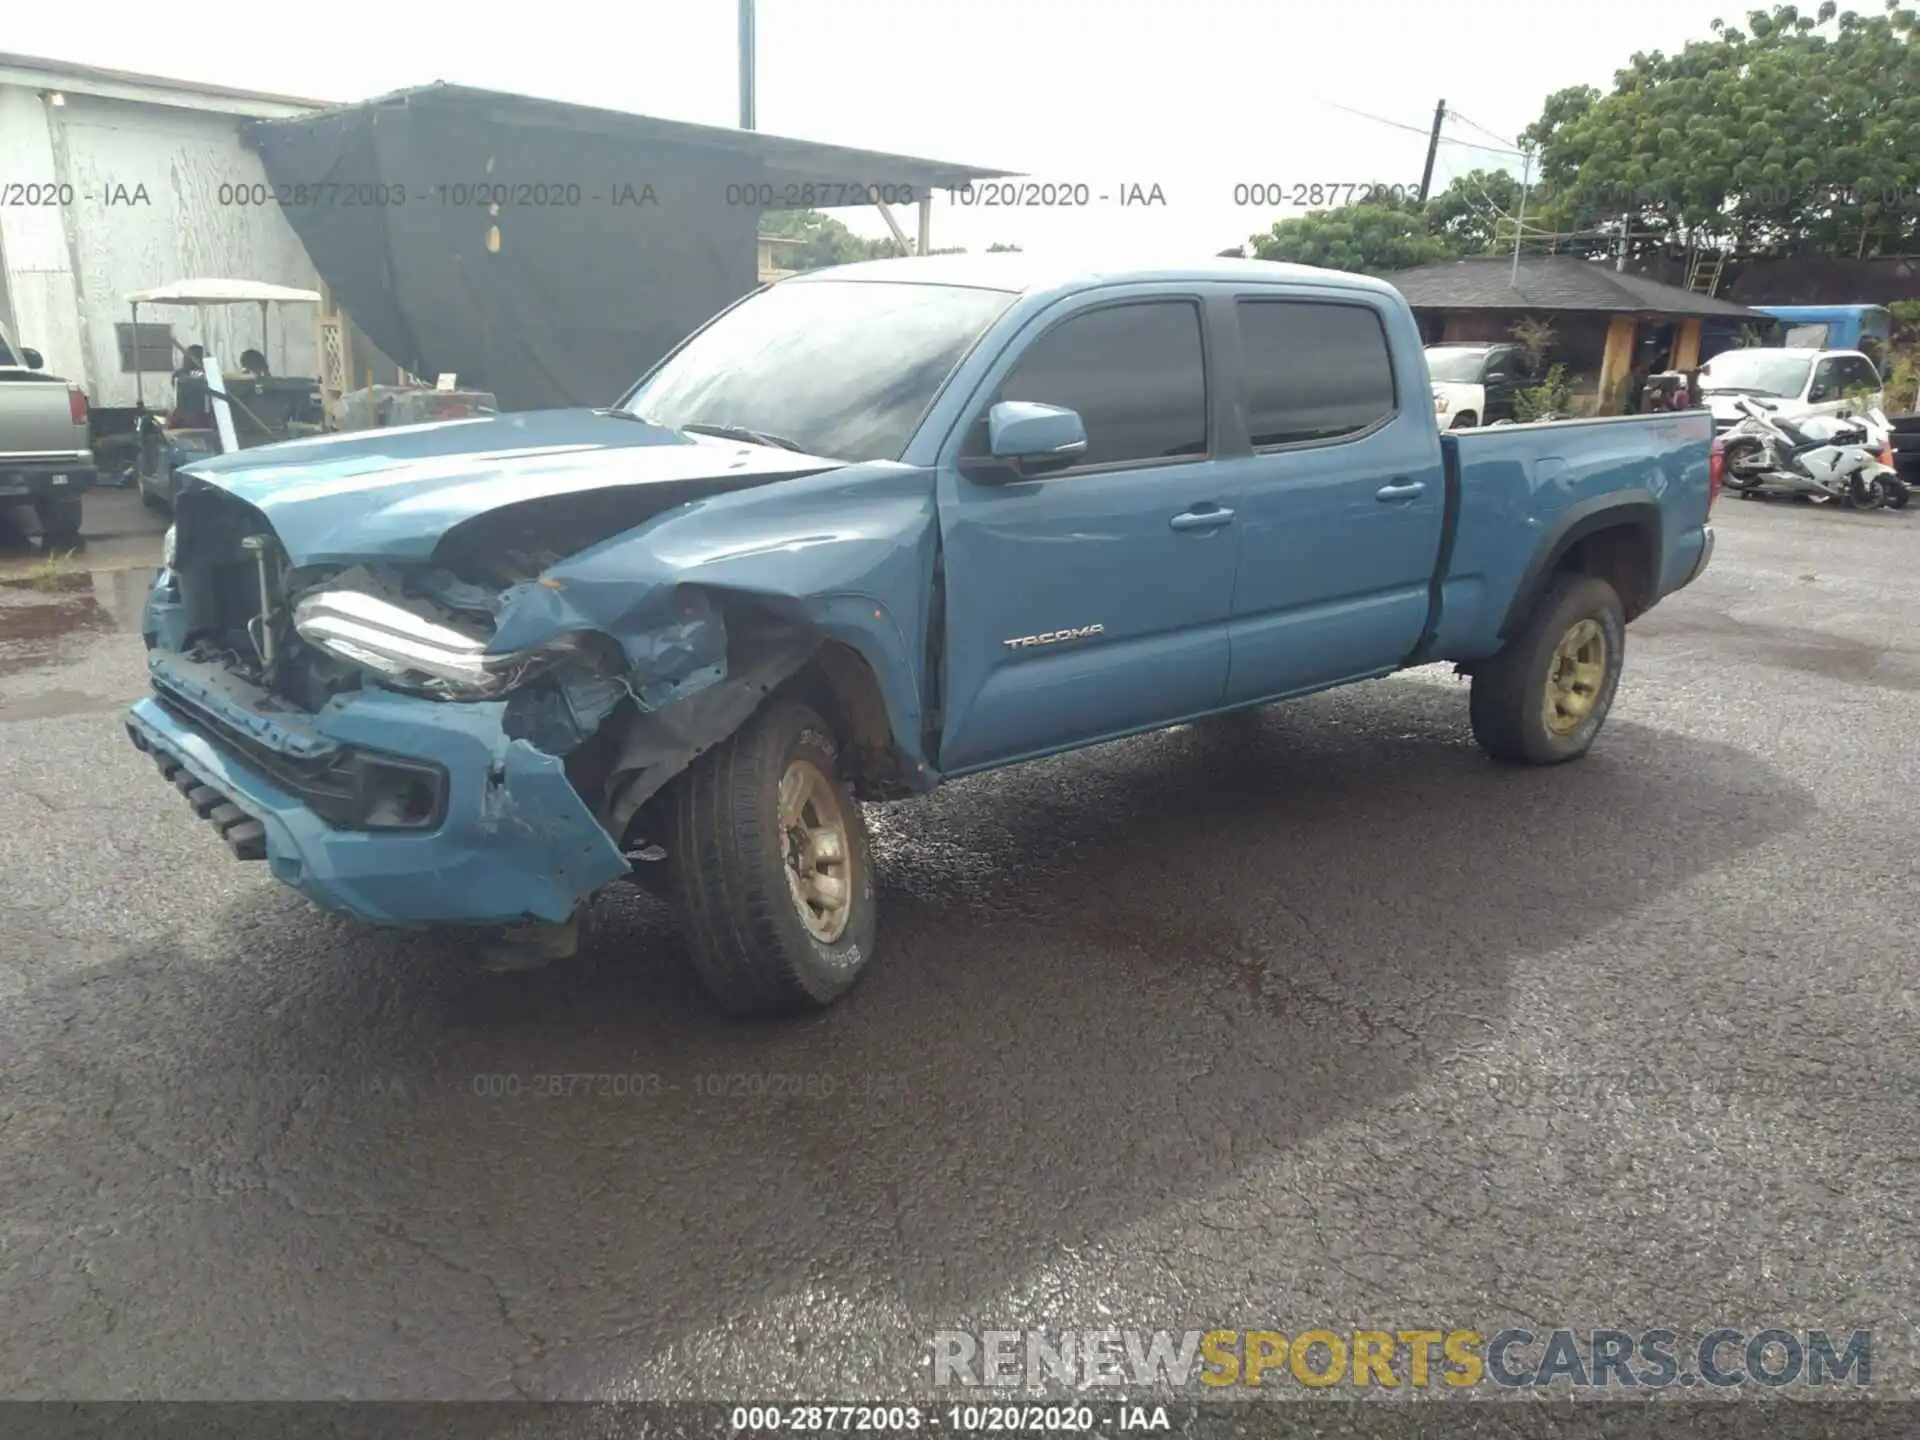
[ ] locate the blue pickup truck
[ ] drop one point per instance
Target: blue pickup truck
(868, 530)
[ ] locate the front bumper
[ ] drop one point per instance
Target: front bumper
(515, 840)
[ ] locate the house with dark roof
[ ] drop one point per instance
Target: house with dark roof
(1608, 324)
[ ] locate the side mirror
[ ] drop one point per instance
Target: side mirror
(1025, 430)
(33, 358)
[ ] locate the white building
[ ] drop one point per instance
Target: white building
(116, 182)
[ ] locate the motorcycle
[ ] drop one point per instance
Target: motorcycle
(1829, 459)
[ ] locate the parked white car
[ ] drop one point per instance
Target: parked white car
(1793, 383)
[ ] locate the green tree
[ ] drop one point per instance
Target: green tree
(1370, 239)
(1475, 213)
(1793, 133)
(824, 240)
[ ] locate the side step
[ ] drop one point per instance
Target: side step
(245, 836)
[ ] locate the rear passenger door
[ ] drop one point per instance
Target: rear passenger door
(1342, 509)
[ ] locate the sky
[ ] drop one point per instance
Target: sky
(1194, 97)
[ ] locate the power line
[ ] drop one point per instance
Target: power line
(1476, 125)
(1419, 130)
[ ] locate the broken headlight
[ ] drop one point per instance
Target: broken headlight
(414, 653)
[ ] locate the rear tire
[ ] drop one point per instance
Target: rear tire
(1897, 494)
(60, 518)
(780, 911)
(1465, 420)
(1544, 697)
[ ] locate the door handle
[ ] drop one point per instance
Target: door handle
(1400, 490)
(1199, 519)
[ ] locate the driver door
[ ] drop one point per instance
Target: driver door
(1826, 391)
(1091, 599)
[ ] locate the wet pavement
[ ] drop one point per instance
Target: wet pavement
(1305, 1017)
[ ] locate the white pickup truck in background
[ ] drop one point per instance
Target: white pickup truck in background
(46, 455)
(1794, 383)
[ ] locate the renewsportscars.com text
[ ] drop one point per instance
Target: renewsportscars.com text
(1415, 1358)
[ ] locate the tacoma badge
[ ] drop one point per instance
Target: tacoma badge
(1053, 637)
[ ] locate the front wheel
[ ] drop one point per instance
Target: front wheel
(771, 861)
(1544, 697)
(1898, 493)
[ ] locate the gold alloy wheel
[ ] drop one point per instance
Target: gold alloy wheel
(1574, 678)
(819, 854)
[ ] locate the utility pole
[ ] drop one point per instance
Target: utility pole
(1433, 148)
(746, 66)
(1520, 224)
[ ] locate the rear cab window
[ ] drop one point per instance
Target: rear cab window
(1315, 370)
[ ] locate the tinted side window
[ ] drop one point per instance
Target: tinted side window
(1826, 382)
(1315, 370)
(1857, 374)
(1135, 374)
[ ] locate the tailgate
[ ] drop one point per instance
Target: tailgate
(36, 418)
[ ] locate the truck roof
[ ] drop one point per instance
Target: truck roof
(1020, 273)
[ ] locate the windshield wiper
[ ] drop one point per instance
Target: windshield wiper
(741, 432)
(719, 432)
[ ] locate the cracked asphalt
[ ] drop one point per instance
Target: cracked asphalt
(1305, 1017)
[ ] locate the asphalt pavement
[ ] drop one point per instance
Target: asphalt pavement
(1307, 1017)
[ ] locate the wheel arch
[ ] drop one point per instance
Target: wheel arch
(841, 685)
(1615, 538)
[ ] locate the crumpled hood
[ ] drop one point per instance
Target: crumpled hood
(392, 494)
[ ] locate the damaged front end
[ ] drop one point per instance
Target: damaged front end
(441, 739)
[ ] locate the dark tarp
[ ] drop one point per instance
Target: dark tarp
(615, 235)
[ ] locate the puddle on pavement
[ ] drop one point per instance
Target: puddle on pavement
(41, 613)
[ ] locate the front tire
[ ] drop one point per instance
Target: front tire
(771, 860)
(1544, 697)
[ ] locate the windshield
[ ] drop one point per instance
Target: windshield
(1461, 367)
(1756, 372)
(838, 368)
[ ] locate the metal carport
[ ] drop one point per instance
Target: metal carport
(547, 252)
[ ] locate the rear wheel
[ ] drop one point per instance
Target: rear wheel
(1898, 493)
(1465, 420)
(771, 861)
(1544, 697)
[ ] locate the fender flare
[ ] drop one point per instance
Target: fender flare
(1636, 507)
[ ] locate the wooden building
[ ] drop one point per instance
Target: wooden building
(1607, 323)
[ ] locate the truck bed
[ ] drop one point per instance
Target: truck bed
(1513, 488)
